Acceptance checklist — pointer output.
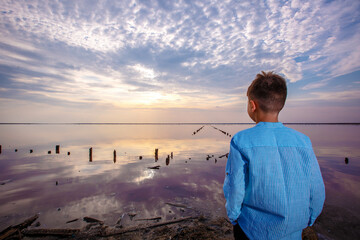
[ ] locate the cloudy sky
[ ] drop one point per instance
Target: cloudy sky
(176, 61)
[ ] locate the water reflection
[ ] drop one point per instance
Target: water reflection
(105, 178)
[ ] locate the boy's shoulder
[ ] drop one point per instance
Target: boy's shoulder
(270, 134)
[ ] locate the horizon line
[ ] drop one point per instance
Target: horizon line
(172, 123)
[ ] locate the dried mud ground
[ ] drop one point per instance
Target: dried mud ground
(333, 223)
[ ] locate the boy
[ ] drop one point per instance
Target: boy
(273, 186)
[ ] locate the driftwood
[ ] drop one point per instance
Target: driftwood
(20, 228)
(51, 232)
(118, 222)
(156, 167)
(134, 229)
(74, 220)
(148, 219)
(92, 220)
(223, 155)
(8, 232)
(17, 228)
(177, 205)
(5, 182)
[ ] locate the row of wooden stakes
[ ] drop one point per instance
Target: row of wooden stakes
(57, 150)
(140, 157)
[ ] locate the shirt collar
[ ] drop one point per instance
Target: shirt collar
(270, 124)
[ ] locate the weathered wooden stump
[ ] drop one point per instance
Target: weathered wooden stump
(156, 154)
(57, 148)
(167, 160)
(90, 154)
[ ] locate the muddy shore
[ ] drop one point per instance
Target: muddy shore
(333, 223)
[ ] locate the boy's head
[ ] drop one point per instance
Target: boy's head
(269, 91)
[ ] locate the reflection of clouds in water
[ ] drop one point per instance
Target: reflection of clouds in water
(209, 197)
(9, 193)
(95, 206)
(11, 208)
(341, 152)
(342, 187)
(210, 187)
(145, 175)
(191, 185)
(25, 167)
(86, 188)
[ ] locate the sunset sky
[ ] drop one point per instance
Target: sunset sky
(176, 61)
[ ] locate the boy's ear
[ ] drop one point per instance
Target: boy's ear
(253, 105)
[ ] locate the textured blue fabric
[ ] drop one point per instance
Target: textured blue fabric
(273, 185)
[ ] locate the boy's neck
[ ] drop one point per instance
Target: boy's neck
(266, 117)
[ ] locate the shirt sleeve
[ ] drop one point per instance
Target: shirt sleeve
(234, 184)
(317, 191)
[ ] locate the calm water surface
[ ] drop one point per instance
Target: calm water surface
(109, 188)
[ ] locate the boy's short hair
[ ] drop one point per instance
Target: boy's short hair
(269, 90)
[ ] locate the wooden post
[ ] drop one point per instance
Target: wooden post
(0, 149)
(114, 156)
(57, 149)
(156, 154)
(167, 160)
(90, 154)
(172, 155)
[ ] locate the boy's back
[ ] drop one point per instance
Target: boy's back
(273, 184)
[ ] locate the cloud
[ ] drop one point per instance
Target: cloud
(337, 96)
(121, 52)
(314, 85)
(329, 98)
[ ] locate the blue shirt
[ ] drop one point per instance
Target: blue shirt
(273, 185)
